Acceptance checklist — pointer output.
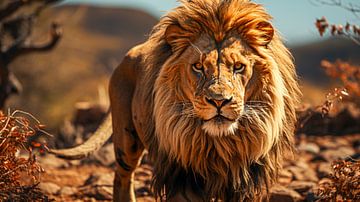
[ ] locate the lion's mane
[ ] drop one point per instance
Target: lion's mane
(235, 167)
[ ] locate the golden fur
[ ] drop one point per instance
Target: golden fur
(262, 136)
(161, 102)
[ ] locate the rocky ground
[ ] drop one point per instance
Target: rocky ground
(91, 179)
(299, 180)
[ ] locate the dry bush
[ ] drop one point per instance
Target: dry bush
(337, 94)
(15, 129)
(348, 74)
(344, 184)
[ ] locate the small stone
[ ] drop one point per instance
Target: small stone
(68, 191)
(49, 188)
(285, 177)
(283, 194)
(339, 153)
(309, 147)
(302, 174)
(99, 186)
(105, 156)
(51, 161)
(301, 186)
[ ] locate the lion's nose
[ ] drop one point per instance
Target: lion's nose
(218, 103)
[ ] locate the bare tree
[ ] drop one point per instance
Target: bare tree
(15, 29)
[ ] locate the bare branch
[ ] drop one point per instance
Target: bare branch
(55, 35)
(355, 9)
(349, 31)
(20, 29)
(14, 5)
(15, 29)
(11, 8)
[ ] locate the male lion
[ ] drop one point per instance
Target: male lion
(211, 95)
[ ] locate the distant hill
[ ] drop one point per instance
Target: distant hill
(94, 42)
(308, 57)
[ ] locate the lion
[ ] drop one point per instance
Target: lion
(211, 96)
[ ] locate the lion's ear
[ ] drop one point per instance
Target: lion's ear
(177, 37)
(173, 33)
(261, 33)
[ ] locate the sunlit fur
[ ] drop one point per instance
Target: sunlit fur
(244, 160)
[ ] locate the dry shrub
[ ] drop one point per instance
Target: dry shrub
(331, 99)
(15, 129)
(344, 184)
(348, 74)
(337, 94)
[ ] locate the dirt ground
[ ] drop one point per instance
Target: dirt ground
(299, 180)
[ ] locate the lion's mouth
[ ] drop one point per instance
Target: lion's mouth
(219, 119)
(219, 125)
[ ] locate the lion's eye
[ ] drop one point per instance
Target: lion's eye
(239, 67)
(197, 67)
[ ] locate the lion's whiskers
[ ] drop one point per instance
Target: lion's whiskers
(184, 109)
(255, 111)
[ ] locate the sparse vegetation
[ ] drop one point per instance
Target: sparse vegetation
(344, 184)
(15, 129)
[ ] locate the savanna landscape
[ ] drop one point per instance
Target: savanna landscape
(59, 98)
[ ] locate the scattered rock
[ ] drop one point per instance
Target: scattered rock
(347, 121)
(52, 161)
(309, 147)
(67, 191)
(105, 156)
(301, 186)
(99, 186)
(303, 174)
(285, 177)
(339, 153)
(283, 194)
(49, 188)
(87, 113)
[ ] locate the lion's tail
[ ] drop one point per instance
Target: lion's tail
(98, 139)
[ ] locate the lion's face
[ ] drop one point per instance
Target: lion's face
(214, 80)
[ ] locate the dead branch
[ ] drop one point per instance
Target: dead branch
(355, 9)
(349, 31)
(15, 29)
(55, 35)
(13, 6)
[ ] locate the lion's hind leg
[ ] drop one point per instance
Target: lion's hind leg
(128, 152)
(127, 145)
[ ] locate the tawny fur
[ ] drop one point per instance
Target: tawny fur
(192, 158)
(262, 138)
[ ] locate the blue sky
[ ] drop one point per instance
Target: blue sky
(294, 18)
